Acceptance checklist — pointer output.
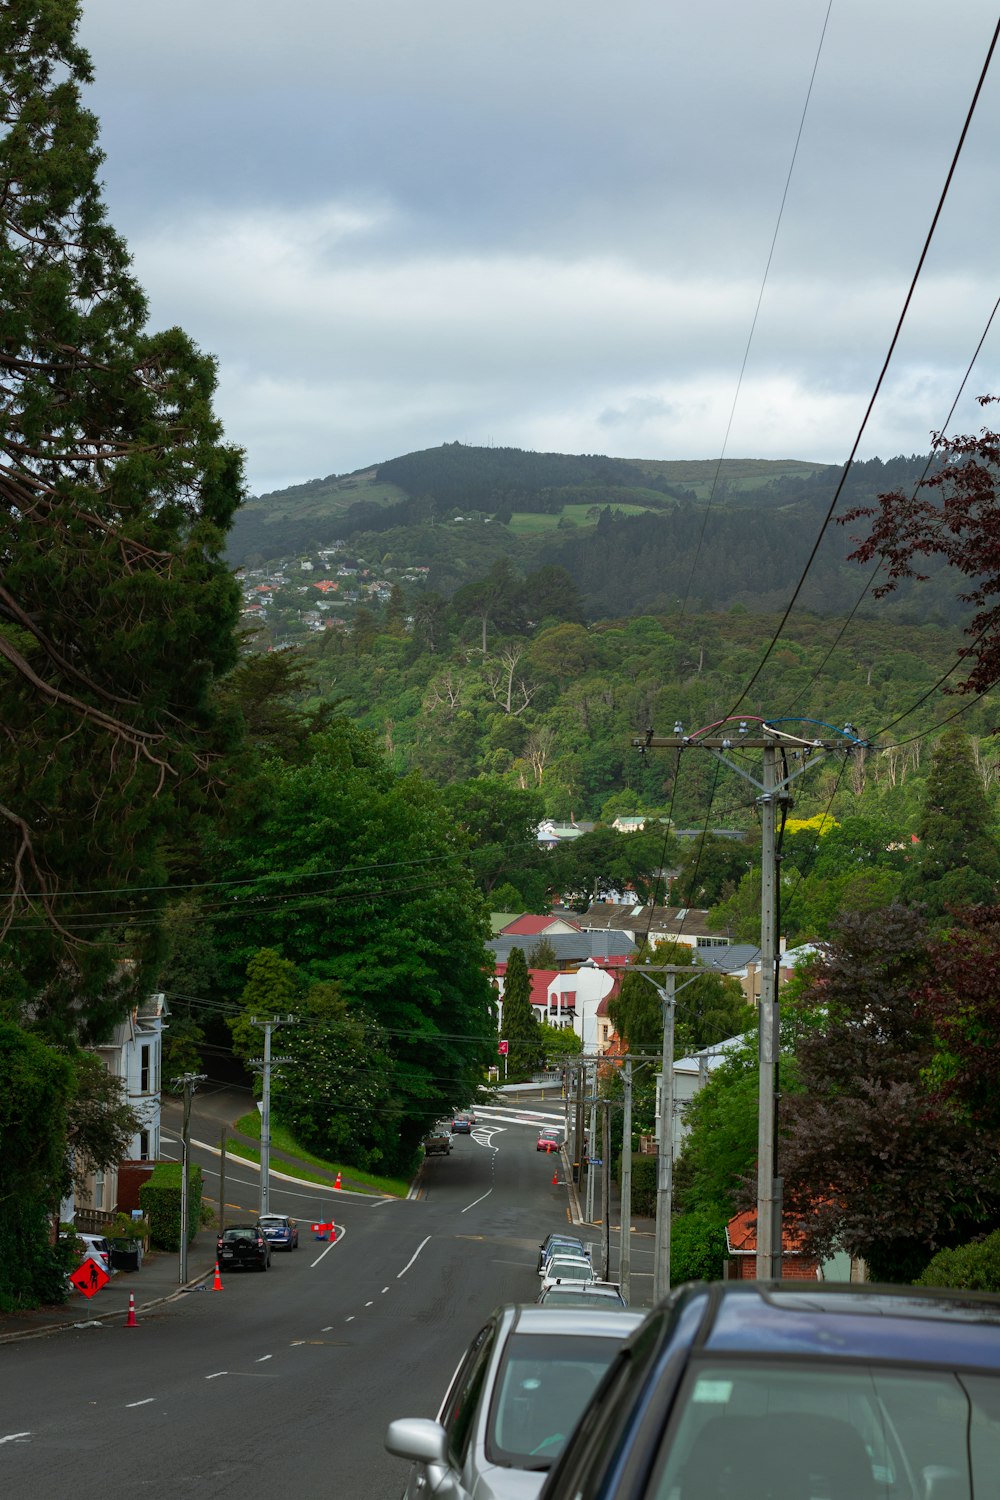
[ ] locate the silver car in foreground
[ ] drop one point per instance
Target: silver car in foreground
(511, 1405)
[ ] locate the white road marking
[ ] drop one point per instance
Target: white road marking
(465, 1210)
(384, 1290)
(369, 1304)
(350, 1319)
(327, 1329)
(14, 1437)
(148, 1402)
(263, 1357)
(412, 1258)
(217, 1374)
(338, 1234)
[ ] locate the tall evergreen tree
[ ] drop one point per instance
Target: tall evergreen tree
(116, 609)
(520, 1026)
(957, 862)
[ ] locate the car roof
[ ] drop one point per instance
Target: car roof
(574, 1321)
(850, 1320)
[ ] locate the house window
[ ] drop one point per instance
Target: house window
(99, 1190)
(713, 942)
(144, 1069)
(144, 1145)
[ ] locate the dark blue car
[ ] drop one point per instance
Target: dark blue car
(281, 1232)
(786, 1391)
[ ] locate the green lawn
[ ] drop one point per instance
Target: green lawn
(283, 1140)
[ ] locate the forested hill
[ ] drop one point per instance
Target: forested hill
(634, 534)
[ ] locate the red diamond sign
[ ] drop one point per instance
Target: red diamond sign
(89, 1278)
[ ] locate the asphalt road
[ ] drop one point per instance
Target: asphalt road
(286, 1381)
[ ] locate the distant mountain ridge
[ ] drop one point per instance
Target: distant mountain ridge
(635, 535)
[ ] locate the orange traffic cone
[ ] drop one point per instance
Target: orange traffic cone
(130, 1320)
(333, 1231)
(555, 1179)
(337, 1183)
(217, 1283)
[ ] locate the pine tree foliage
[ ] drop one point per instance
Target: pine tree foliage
(520, 1027)
(116, 491)
(958, 857)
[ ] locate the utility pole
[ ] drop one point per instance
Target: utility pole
(591, 1148)
(625, 1246)
(798, 751)
(606, 1185)
(188, 1082)
(266, 1065)
(222, 1179)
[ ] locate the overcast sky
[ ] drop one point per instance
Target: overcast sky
(546, 223)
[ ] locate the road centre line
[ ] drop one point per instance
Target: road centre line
(217, 1374)
(14, 1437)
(263, 1357)
(148, 1402)
(413, 1257)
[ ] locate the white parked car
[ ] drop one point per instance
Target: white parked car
(563, 1269)
(512, 1404)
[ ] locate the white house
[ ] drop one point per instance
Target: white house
(134, 1054)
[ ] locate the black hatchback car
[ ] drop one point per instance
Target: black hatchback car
(244, 1245)
(786, 1391)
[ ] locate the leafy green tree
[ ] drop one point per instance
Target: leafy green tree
(719, 1154)
(559, 1043)
(273, 988)
(500, 822)
(957, 861)
(708, 1009)
(521, 1029)
(352, 874)
(710, 869)
(117, 610)
(542, 955)
(100, 1122)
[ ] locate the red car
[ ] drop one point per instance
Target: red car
(549, 1140)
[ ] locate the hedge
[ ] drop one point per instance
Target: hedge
(160, 1201)
(974, 1267)
(644, 1170)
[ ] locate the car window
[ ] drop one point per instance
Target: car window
(465, 1395)
(542, 1386)
(811, 1433)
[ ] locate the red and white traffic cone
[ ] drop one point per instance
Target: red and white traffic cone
(555, 1179)
(333, 1231)
(130, 1320)
(337, 1183)
(217, 1283)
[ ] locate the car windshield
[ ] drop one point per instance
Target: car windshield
(542, 1386)
(570, 1270)
(274, 1221)
(242, 1233)
(808, 1433)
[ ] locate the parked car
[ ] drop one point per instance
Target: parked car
(95, 1247)
(462, 1124)
(803, 1391)
(563, 1244)
(511, 1404)
(571, 1268)
(438, 1142)
(549, 1139)
(582, 1294)
(281, 1232)
(244, 1245)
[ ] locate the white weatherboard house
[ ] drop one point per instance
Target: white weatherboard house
(134, 1054)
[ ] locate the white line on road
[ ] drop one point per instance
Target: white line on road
(327, 1329)
(338, 1234)
(369, 1304)
(263, 1357)
(217, 1374)
(384, 1290)
(148, 1402)
(350, 1319)
(412, 1258)
(465, 1210)
(14, 1437)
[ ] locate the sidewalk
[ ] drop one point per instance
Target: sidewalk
(155, 1283)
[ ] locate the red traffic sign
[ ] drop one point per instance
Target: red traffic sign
(503, 1048)
(89, 1278)
(321, 1228)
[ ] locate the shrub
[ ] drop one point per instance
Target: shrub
(697, 1247)
(974, 1267)
(644, 1169)
(160, 1200)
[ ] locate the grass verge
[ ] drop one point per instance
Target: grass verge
(282, 1141)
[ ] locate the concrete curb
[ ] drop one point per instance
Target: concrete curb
(102, 1318)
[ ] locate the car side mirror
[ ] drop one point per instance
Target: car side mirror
(418, 1439)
